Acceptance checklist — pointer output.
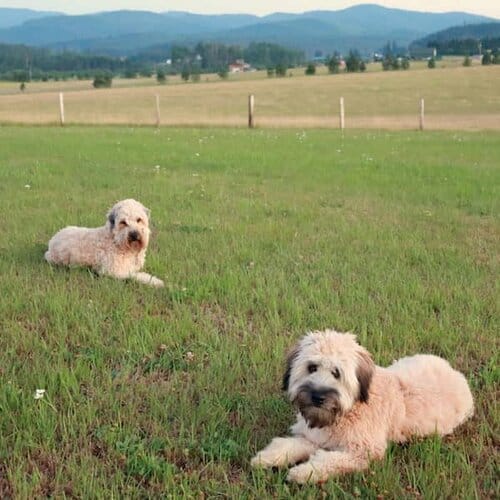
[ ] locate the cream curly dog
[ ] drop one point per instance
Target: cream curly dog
(349, 408)
(117, 249)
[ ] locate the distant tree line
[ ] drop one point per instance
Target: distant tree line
(491, 57)
(465, 46)
(212, 57)
(23, 63)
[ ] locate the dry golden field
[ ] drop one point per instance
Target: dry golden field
(455, 98)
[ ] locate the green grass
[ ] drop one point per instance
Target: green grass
(259, 236)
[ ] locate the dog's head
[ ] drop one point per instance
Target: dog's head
(128, 221)
(327, 373)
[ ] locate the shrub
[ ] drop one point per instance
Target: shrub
(431, 64)
(102, 80)
(161, 77)
(391, 62)
(223, 73)
(333, 65)
(487, 59)
(185, 73)
(270, 72)
(353, 62)
(130, 73)
(467, 61)
(280, 70)
(310, 69)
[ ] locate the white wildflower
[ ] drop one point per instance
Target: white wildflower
(39, 393)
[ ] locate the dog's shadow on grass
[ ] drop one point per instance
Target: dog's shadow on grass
(26, 255)
(32, 257)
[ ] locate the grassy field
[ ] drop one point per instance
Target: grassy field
(455, 98)
(74, 85)
(260, 236)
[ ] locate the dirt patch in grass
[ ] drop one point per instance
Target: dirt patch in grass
(46, 466)
(6, 488)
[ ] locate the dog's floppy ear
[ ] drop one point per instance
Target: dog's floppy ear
(289, 362)
(364, 374)
(111, 219)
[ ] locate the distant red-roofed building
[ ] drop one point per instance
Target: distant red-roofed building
(239, 66)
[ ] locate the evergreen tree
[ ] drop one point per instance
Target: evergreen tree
(353, 62)
(161, 76)
(334, 64)
(185, 73)
(280, 70)
(311, 69)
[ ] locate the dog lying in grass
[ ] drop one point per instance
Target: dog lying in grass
(349, 409)
(116, 249)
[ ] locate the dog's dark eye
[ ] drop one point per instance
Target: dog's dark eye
(139, 220)
(311, 367)
(336, 373)
(123, 223)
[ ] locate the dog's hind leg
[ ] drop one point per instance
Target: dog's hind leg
(284, 451)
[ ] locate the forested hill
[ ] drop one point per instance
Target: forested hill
(463, 40)
(10, 17)
(365, 27)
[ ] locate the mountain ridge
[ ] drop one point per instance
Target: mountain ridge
(365, 27)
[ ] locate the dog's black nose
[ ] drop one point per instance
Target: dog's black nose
(317, 398)
(133, 236)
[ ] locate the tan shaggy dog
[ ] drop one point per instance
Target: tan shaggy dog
(349, 408)
(117, 249)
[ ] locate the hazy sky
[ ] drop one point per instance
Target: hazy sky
(260, 7)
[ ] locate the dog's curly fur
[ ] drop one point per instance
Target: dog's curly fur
(349, 408)
(117, 249)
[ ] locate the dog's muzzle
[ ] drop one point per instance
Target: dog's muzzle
(134, 238)
(318, 405)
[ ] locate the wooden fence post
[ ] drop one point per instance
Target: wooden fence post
(61, 107)
(158, 118)
(251, 102)
(342, 115)
(421, 125)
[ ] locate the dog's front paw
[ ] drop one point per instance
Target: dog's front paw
(305, 473)
(264, 459)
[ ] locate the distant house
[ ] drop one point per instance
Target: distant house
(423, 52)
(239, 66)
(319, 59)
